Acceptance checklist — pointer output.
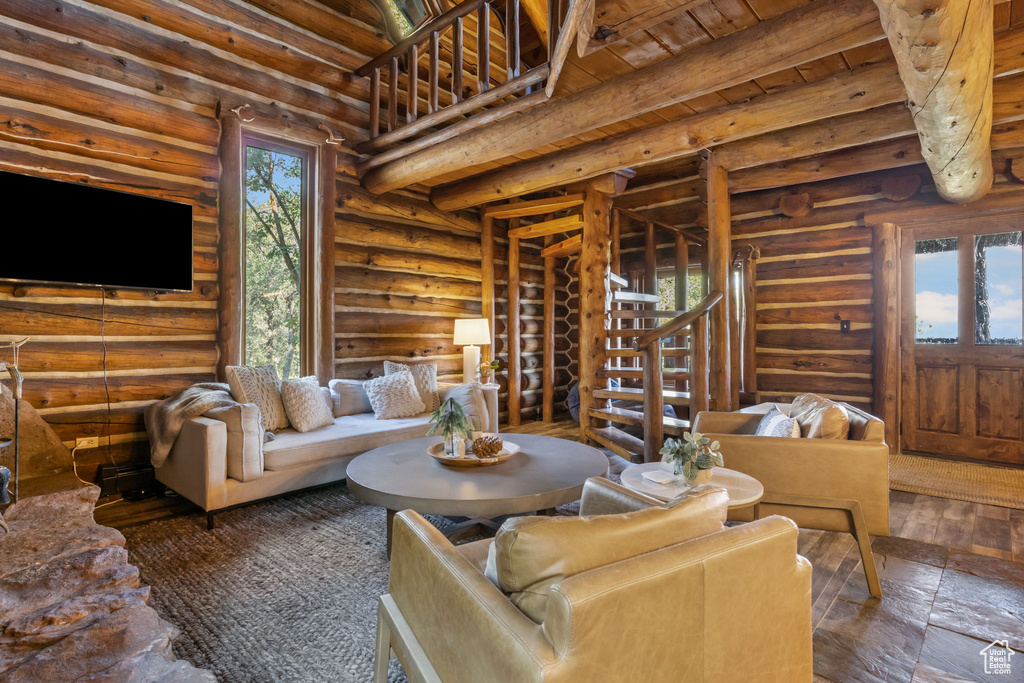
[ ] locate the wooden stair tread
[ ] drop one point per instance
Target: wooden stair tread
(635, 418)
(635, 373)
(617, 281)
(568, 246)
(534, 207)
(633, 353)
(635, 297)
(552, 227)
(634, 332)
(618, 442)
(673, 398)
(645, 314)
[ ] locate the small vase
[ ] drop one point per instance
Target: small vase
(703, 477)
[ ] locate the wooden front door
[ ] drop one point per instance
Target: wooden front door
(961, 339)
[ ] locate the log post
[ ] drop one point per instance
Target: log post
(735, 296)
(654, 403)
(699, 394)
(719, 263)
(945, 52)
(650, 267)
(748, 333)
(886, 358)
(682, 284)
(514, 372)
(230, 305)
(593, 301)
(327, 167)
(616, 267)
(487, 281)
(548, 409)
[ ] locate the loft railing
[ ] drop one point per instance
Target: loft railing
(650, 344)
(450, 90)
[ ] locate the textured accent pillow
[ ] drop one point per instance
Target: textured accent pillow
(425, 376)
(471, 397)
(774, 423)
(820, 418)
(349, 397)
(304, 402)
(531, 554)
(261, 386)
(394, 396)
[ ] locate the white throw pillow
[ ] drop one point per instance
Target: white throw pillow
(394, 396)
(425, 376)
(471, 397)
(774, 423)
(304, 402)
(349, 397)
(262, 387)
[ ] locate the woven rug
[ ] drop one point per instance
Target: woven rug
(972, 482)
(284, 590)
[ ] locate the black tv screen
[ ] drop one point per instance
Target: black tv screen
(72, 234)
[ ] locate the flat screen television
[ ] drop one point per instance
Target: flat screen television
(65, 233)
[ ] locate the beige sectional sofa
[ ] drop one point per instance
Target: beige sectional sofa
(220, 461)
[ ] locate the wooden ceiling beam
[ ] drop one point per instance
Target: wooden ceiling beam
(801, 35)
(847, 92)
(552, 227)
(944, 50)
(613, 20)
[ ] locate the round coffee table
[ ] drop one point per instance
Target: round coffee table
(743, 489)
(546, 473)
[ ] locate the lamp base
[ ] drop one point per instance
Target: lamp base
(470, 362)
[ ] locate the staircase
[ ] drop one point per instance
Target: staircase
(637, 347)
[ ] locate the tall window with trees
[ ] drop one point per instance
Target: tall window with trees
(276, 181)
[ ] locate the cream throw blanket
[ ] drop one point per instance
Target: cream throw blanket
(165, 418)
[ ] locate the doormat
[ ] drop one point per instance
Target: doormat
(972, 482)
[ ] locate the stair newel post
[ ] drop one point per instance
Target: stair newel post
(616, 267)
(682, 292)
(699, 394)
(719, 264)
(748, 319)
(514, 372)
(595, 261)
(487, 283)
(548, 409)
(654, 402)
(735, 295)
(650, 266)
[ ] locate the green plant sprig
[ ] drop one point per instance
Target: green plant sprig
(696, 452)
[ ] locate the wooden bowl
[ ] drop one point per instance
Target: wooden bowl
(508, 449)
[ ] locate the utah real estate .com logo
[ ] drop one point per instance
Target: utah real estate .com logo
(997, 657)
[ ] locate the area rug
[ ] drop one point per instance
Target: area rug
(284, 590)
(972, 482)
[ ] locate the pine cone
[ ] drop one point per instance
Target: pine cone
(487, 446)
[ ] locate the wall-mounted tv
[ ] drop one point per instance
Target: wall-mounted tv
(66, 233)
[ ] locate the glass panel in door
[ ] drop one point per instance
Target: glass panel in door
(998, 275)
(935, 302)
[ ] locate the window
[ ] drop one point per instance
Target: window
(998, 312)
(276, 255)
(937, 277)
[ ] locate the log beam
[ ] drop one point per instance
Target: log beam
(944, 50)
(719, 264)
(844, 93)
(801, 35)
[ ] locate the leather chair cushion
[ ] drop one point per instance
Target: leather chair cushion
(864, 426)
(820, 418)
(531, 554)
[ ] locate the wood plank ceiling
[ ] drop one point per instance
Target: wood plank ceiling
(652, 192)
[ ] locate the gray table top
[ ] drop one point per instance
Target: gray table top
(547, 472)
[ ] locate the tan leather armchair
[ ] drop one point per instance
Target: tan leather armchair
(828, 484)
(733, 605)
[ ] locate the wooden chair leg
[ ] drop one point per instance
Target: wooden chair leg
(382, 656)
(859, 529)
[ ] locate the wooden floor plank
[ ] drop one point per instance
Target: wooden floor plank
(923, 520)
(1017, 535)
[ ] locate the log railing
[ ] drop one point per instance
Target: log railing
(460, 94)
(650, 344)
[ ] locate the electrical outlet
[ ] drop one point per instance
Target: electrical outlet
(87, 442)
(844, 325)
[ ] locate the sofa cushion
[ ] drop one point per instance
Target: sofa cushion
(261, 386)
(864, 426)
(349, 397)
(394, 396)
(532, 554)
(348, 435)
(425, 377)
(471, 397)
(820, 418)
(245, 439)
(774, 423)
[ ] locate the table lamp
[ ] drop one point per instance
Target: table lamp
(469, 332)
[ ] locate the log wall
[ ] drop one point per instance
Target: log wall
(123, 94)
(816, 271)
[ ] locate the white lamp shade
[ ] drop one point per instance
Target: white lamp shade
(472, 331)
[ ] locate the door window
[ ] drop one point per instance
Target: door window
(998, 313)
(936, 307)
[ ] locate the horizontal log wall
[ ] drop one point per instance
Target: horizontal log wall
(816, 271)
(122, 94)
